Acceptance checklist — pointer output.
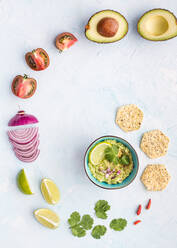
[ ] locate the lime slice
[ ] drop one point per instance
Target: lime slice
(23, 184)
(97, 153)
(50, 191)
(47, 218)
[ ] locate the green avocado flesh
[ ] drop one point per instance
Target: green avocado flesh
(157, 25)
(106, 26)
(110, 172)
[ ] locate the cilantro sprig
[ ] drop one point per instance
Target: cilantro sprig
(79, 226)
(111, 155)
(98, 231)
(118, 224)
(101, 207)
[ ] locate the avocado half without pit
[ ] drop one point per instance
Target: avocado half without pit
(157, 25)
(106, 26)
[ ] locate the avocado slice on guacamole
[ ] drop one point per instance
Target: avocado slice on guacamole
(157, 25)
(106, 26)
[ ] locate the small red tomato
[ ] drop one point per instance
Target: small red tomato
(38, 59)
(23, 86)
(65, 41)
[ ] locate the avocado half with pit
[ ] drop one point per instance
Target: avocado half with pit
(157, 25)
(106, 26)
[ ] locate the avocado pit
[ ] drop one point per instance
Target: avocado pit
(156, 25)
(107, 27)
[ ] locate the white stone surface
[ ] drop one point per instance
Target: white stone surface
(76, 102)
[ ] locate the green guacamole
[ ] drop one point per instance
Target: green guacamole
(110, 172)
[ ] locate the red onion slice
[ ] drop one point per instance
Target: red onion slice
(30, 159)
(27, 153)
(23, 136)
(23, 132)
(25, 146)
(22, 119)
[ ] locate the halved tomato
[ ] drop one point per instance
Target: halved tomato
(38, 59)
(65, 41)
(23, 86)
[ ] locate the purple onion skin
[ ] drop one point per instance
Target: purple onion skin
(21, 119)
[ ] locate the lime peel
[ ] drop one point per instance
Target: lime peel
(23, 183)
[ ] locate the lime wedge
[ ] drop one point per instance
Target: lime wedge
(47, 218)
(23, 184)
(50, 191)
(97, 153)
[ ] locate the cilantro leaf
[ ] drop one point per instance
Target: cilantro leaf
(110, 154)
(109, 157)
(115, 149)
(98, 231)
(108, 150)
(101, 215)
(74, 219)
(78, 231)
(125, 160)
(115, 160)
(118, 224)
(101, 207)
(86, 222)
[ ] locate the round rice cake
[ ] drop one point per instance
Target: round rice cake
(154, 144)
(129, 117)
(155, 177)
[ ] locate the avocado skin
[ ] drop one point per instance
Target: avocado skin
(106, 42)
(147, 13)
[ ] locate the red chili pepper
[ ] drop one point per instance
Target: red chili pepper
(149, 204)
(137, 222)
(139, 210)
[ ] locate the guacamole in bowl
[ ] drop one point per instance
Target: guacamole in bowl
(111, 162)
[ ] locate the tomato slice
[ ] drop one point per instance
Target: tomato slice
(38, 59)
(65, 41)
(23, 87)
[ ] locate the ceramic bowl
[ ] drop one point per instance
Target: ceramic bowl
(105, 185)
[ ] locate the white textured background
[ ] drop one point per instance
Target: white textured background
(76, 102)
